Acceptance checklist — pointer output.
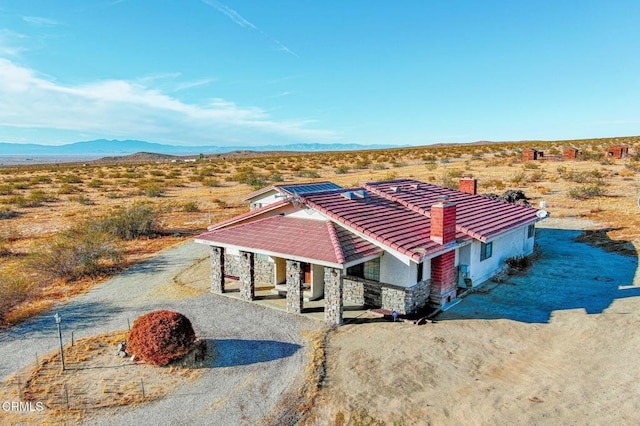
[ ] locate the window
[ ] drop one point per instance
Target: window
(486, 250)
(531, 230)
(420, 271)
(369, 270)
(263, 257)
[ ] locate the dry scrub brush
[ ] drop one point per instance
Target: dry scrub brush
(160, 337)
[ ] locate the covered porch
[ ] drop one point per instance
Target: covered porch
(302, 261)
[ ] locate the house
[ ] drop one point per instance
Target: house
(570, 153)
(273, 193)
(617, 151)
(396, 245)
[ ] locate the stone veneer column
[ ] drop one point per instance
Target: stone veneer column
(217, 270)
(295, 279)
(333, 306)
(247, 276)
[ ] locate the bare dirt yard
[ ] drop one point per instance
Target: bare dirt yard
(557, 345)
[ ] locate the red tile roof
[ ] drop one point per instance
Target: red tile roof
(311, 239)
(396, 214)
(383, 220)
(478, 216)
(273, 207)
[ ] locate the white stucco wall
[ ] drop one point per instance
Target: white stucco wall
(265, 199)
(514, 243)
(307, 214)
(394, 271)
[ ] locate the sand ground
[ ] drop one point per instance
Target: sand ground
(558, 345)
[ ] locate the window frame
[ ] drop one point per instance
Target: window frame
(486, 250)
(531, 231)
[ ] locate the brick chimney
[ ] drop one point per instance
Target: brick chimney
(443, 221)
(468, 185)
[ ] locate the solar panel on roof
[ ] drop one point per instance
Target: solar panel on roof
(312, 187)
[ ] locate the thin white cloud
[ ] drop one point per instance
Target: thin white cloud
(192, 84)
(238, 19)
(132, 109)
(39, 20)
(10, 42)
(231, 14)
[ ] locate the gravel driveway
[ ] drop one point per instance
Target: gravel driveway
(261, 352)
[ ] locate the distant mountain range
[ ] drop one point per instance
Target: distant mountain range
(102, 147)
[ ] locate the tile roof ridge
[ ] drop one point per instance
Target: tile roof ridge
(335, 241)
(390, 197)
(253, 222)
(249, 214)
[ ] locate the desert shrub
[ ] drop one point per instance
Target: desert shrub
(7, 213)
(6, 189)
(388, 176)
(379, 166)
(587, 191)
(519, 178)
(157, 173)
(518, 263)
(190, 207)
(495, 183)
(95, 183)
(210, 182)
(40, 179)
(69, 179)
(530, 165)
(160, 337)
(276, 177)
(66, 188)
(308, 174)
(82, 199)
(14, 288)
(341, 170)
(129, 223)
(153, 190)
(84, 250)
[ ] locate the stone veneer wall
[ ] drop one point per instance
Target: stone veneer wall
(333, 296)
(403, 300)
(232, 265)
(217, 269)
(295, 278)
(263, 269)
(247, 277)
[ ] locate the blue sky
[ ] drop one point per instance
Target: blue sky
(247, 72)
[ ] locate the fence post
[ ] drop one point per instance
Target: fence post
(37, 360)
(66, 395)
(129, 324)
(19, 389)
(142, 385)
(72, 340)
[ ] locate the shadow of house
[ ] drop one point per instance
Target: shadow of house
(235, 352)
(568, 275)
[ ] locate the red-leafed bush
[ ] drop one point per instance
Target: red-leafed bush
(160, 337)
